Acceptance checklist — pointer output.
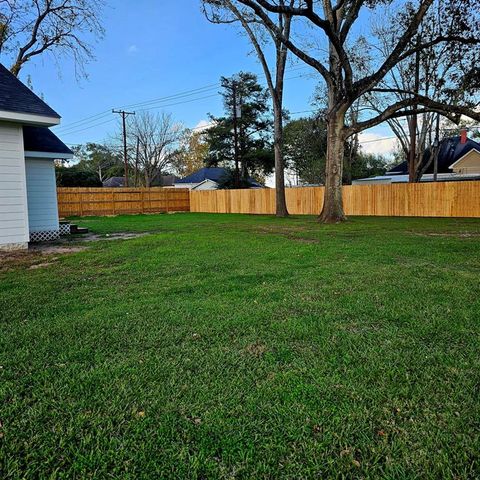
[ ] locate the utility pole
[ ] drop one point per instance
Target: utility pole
(436, 149)
(124, 115)
(235, 135)
(137, 153)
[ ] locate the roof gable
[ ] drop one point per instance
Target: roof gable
(468, 155)
(451, 150)
(19, 102)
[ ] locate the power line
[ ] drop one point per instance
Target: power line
(377, 139)
(75, 131)
(79, 123)
(182, 94)
(86, 128)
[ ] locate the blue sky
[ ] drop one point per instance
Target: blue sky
(154, 49)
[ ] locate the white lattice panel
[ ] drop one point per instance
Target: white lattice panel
(44, 236)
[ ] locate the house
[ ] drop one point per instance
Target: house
(158, 181)
(114, 182)
(164, 180)
(28, 196)
(209, 178)
(458, 159)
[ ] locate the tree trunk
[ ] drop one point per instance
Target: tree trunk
(15, 68)
(147, 180)
(280, 201)
(332, 211)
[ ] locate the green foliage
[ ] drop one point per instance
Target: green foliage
(305, 143)
(191, 154)
(95, 163)
(365, 165)
(76, 176)
(254, 128)
(101, 159)
(243, 346)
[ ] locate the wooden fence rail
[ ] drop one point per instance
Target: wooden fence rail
(114, 201)
(439, 199)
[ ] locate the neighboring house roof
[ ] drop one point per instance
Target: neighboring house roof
(212, 173)
(114, 182)
(402, 178)
(203, 185)
(164, 181)
(16, 98)
(451, 150)
(463, 157)
(41, 139)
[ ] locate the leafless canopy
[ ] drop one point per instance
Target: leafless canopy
(29, 28)
(154, 138)
(333, 22)
(336, 20)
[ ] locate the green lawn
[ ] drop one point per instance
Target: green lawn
(245, 347)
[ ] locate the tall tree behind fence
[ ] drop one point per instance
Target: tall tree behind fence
(114, 201)
(440, 199)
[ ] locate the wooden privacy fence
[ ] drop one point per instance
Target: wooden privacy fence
(114, 201)
(439, 199)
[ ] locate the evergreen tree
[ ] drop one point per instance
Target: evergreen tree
(242, 138)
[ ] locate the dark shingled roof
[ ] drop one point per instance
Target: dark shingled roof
(114, 182)
(213, 173)
(41, 139)
(451, 149)
(16, 97)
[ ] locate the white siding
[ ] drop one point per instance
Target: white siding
(13, 199)
(42, 195)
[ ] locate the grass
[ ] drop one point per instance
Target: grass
(225, 346)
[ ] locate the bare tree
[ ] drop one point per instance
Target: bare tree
(433, 72)
(334, 22)
(155, 138)
(29, 28)
(274, 74)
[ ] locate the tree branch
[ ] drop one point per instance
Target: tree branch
(364, 85)
(309, 60)
(396, 110)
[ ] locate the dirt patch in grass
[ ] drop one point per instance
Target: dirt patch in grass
(289, 233)
(256, 349)
(113, 236)
(279, 229)
(53, 249)
(40, 255)
(447, 234)
(302, 239)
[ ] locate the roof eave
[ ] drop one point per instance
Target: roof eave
(52, 155)
(28, 119)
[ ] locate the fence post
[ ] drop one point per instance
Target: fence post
(80, 204)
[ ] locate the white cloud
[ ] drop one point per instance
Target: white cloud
(132, 49)
(377, 144)
(202, 125)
